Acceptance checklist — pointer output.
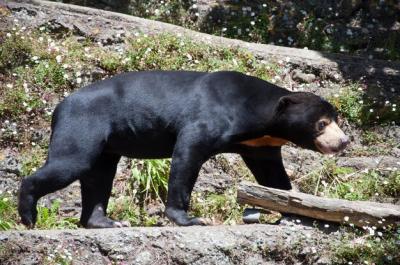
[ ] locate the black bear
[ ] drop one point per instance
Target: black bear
(189, 116)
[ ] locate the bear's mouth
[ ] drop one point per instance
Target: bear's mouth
(327, 149)
(332, 140)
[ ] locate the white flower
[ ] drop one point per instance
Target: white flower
(346, 218)
(79, 80)
(9, 85)
(8, 34)
(58, 58)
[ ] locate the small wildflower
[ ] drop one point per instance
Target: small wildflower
(79, 80)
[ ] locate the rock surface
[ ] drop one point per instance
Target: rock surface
(245, 244)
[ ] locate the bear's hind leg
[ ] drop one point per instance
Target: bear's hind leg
(96, 190)
(54, 175)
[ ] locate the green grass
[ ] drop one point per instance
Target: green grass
(8, 212)
(346, 183)
(14, 51)
(221, 208)
(359, 106)
(49, 76)
(49, 218)
(32, 160)
(43, 74)
(151, 178)
(375, 249)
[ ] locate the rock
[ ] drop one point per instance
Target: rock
(367, 162)
(9, 162)
(299, 76)
(245, 244)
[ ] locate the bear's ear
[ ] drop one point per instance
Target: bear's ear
(285, 101)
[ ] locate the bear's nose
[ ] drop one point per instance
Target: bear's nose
(344, 141)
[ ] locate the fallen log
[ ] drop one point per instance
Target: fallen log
(359, 213)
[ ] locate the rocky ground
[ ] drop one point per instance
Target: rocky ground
(250, 244)
(374, 149)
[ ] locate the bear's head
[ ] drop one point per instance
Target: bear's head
(310, 122)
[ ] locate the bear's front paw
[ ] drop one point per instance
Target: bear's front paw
(181, 218)
(27, 210)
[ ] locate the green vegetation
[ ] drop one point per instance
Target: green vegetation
(151, 178)
(346, 183)
(14, 51)
(358, 106)
(49, 67)
(8, 212)
(32, 159)
(297, 23)
(128, 208)
(220, 208)
(382, 248)
(49, 218)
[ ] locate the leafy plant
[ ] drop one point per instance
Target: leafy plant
(48, 218)
(369, 250)
(32, 160)
(14, 51)
(223, 208)
(8, 213)
(49, 75)
(151, 176)
(359, 106)
(346, 183)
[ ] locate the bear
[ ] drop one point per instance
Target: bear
(184, 115)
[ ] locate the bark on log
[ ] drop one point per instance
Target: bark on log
(359, 213)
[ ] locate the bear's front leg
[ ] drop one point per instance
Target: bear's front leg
(190, 152)
(268, 170)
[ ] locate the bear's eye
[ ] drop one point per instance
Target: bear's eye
(321, 125)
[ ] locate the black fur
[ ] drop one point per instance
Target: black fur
(188, 116)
